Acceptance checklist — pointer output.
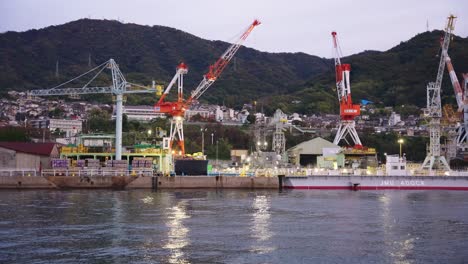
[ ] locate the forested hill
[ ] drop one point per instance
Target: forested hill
(394, 77)
(28, 59)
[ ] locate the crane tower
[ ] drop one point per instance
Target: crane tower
(118, 88)
(433, 158)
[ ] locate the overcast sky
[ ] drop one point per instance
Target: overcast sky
(287, 25)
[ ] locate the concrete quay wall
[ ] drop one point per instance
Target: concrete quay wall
(140, 182)
(25, 182)
(181, 182)
(90, 182)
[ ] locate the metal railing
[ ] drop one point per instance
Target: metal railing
(96, 172)
(15, 172)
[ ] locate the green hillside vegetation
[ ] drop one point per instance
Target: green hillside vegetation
(391, 78)
(28, 59)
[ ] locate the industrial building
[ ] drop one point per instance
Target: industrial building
(306, 153)
(27, 155)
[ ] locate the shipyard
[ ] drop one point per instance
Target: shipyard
(240, 134)
(164, 154)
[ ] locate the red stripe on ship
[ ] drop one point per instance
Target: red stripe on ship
(378, 188)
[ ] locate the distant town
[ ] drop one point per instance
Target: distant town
(67, 117)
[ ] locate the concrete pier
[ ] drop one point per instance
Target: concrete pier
(223, 182)
(25, 182)
(137, 182)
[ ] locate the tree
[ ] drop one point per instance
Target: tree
(56, 113)
(99, 121)
(57, 132)
(13, 134)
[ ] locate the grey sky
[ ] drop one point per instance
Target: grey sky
(288, 25)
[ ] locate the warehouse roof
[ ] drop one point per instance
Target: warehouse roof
(43, 149)
(313, 147)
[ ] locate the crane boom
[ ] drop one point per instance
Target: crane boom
(216, 69)
(456, 85)
(448, 31)
(68, 91)
(338, 66)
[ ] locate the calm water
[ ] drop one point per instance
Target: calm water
(210, 226)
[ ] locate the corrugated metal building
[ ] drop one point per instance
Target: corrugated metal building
(306, 153)
(27, 155)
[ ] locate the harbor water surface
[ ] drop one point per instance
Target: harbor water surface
(233, 226)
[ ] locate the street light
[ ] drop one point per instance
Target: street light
(203, 140)
(400, 141)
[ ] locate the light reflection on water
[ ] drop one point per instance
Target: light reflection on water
(261, 225)
(400, 247)
(233, 226)
(177, 235)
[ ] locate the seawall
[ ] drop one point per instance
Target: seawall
(25, 182)
(223, 182)
(140, 182)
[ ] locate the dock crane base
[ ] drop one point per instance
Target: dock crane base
(347, 127)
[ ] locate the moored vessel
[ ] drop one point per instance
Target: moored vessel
(396, 177)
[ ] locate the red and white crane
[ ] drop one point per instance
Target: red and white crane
(348, 110)
(456, 85)
(177, 109)
(462, 103)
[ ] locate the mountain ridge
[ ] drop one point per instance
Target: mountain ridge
(144, 53)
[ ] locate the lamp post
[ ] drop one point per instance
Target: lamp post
(203, 140)
(216, 153)
(400, 141)
(149, 134)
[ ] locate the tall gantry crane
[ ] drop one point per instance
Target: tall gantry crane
(279, 140)
(118, 88)
(434, 110)
(177, 109)
(348, 110)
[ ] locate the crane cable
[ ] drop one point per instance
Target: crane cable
(93, 69)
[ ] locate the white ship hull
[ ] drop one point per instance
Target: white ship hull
(377, 182)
